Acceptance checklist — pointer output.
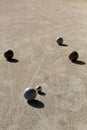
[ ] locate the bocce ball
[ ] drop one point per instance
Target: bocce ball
(38, 89)
(30, 93)
(73, 56)
(59, 40)
(8, 54)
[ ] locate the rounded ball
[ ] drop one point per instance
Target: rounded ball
(9, 54)
(30, 94)
(59, 40)
(38, 89)
(74, 56)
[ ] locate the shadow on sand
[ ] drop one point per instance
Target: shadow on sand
(63, 45)
(78, 62)
(36, 104)
(13, 60)
(42, 93)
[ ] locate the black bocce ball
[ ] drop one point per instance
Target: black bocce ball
(8, 54)
(59, 40)
(73, 56)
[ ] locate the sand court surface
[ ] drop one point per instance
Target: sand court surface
(30, 29)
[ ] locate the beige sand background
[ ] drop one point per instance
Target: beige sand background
(30, 28)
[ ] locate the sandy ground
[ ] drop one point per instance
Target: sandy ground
(30, 28)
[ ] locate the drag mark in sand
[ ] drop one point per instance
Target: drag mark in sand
(38, 68)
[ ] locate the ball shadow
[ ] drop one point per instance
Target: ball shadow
(13, 60)
(63, 45)
(42, 93)
(79, 62)
(36, 104)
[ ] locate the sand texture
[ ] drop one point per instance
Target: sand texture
(30, 29)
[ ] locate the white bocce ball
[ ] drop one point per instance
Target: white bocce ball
(59, 40)
(38, 89)
(30, 93)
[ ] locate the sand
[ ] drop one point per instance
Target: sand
(30, 28)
